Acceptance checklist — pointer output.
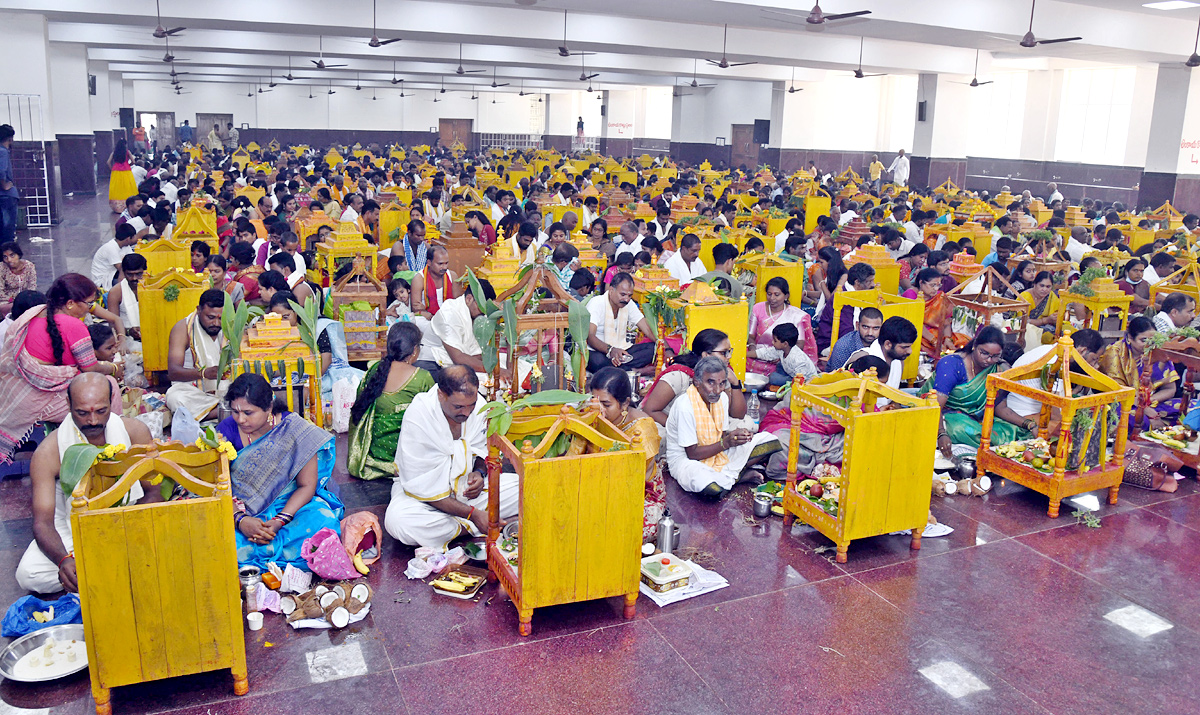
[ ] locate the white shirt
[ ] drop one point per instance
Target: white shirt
(781, 240)
(1150, 275)
(661, 230)
(497, 214)
(1077, 249)
(1025, 406)
(597, 307)
(139, 174)
(105, 262)
(847, 217)
(1056, 196)
(348, 214)
(913, 233)
(171, 191)
(1163, 322)
(681, 428)
(899, 170)
(633, 248)
(683, 272)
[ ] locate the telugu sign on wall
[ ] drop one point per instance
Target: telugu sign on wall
(620, 129)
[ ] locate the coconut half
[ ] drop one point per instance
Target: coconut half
(362, 592)
(338, 616)
(287, 605)
(327, 598)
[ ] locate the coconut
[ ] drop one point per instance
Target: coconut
(939, 488)
(287, 605)
(354, 605)
(950, 488)
(963, 486)
(312, 608)
(981, 485)
(342, 590)
(327, 598)
(334, 603)
(338, 616)
(362, 592)
(296, 615)
(321, 589)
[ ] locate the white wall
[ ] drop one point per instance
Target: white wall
(705, 114)
(565, 109)
(99, 105)
(848, 114)
(23, 55)
(69, 84)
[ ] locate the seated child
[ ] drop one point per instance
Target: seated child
(792, 358)
(398, 310)
(565, 259)
(623, 263)
(583, 283)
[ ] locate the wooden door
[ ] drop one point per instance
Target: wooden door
(205, 122)
(743, 150)
(455, 130)
(166, 129)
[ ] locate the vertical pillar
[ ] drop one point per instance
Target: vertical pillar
(1173, 148)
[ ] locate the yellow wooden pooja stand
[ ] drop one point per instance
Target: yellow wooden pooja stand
(365, 328)
(971, 311)
(1105, 295)
(702, 308)
(272, 348)
(1186, 280)
(158, 582)
(392, 217)
(1054, 479)
(164, 299)
(197, 222)
(581, 514)
(346, 243)
(765, 266)
(912, 310)
(887, 271)
(887, 457)
(165, 254)
(465, 250)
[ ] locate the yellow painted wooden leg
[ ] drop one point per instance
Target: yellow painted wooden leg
(103, 704)
(241, 683)
(630, 605)
(525, 618)
(841, 552)
(1112, 493)
(1053, 510)
(788, 519)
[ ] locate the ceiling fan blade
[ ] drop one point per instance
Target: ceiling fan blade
(980, 84)
(174, 30)
(328, 66)
(713, 62)
(388, 42)
(502, 84)
(844, 15)
(318, 63)
(1059, 39)
(590, 76)
(739, 64)
(178, 59)
(793, 90)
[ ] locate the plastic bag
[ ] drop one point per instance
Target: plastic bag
(344, 394)
(19, 621)
(429, 561)
(184, 427)
(327, 558)
(361, 532)
(153, 421)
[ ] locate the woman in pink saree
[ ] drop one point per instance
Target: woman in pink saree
(775, 309)
(44, 349)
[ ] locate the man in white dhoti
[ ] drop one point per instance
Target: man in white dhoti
(441, 490)
(450, 339)
(703, 454)
(194, 357)
(48, 565)
(124, 300)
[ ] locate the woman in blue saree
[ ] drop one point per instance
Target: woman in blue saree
(960, 380)
(281, 477)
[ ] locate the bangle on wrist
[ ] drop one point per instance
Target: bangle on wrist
(69, 555)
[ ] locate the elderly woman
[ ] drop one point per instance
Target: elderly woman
(43, 349)
(1125, 361)
(280, 476)
(383, 397)
(610, 388)
(961, 383)
(764, 316)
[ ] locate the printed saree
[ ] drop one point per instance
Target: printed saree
(963, 414)
(373, 439)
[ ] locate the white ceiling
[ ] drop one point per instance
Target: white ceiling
(636, 42)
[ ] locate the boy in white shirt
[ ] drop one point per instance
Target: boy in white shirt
(792, 358)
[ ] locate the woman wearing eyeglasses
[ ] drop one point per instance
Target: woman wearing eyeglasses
(44, 349)
(961, 384)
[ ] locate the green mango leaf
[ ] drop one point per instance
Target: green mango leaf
(226, 358)
(550, 397)
(300, 369)
(560, 446)
(476, 289)
(282, 368)
(76, 461)
(485, 335)
(504, 422)
(650, 311)
(493, 409)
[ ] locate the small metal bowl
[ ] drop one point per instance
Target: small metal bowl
(35, 640)
(510, 529)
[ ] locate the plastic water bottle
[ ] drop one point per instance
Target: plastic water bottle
(752, 407)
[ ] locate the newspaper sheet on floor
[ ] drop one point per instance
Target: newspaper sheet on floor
(701, 582)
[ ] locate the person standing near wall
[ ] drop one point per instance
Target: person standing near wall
(579, 128)
(899, 169)
(231, 138)
(8, 186)
(185, 133)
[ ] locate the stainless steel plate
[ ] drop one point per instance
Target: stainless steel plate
(35, 640)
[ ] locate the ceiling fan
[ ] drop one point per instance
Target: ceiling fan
(563, 50)
(161, 32)
(1030, 41)
(817, 17)
(858, 73)
(373, 97)
(271, 78)
(459, 69)
(310, 93)
(394, 79)
(694, 84)
(975, 77)
(358, 81)
(494, 84)
(320, 63)
(176, 74)
(331, 89)
(168, 57)
(474, 94)
(263, 91)
(792, 88)
(375, 41)
(725, 63)
(289, 76)
(584, 76)
(443, 89)
(522, 92)
(179, 91)
(249, 91)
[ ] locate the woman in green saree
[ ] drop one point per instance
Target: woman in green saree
(383, 398)
(961, 384)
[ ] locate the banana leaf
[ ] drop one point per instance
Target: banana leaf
(510, 322)
(485, 335)
(75, 462)
(650, 311)
(300, 369)
(270, 371)
(486, 306)
(549, 397)
(579, 325)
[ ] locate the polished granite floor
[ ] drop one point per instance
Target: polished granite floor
(1012, 613)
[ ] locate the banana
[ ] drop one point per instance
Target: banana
(359, 565)
(1175, 443)
(450, 585)
(804, 485)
